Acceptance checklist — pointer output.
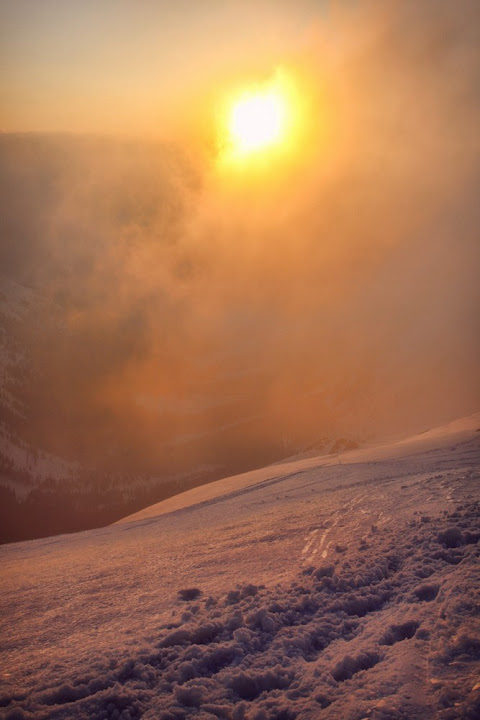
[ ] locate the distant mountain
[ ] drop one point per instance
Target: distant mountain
(65, 467)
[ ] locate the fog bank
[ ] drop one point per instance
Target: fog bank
(180, 317)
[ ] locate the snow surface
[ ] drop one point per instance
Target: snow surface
(340, 587)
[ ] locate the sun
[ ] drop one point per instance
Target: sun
(257, 120)
(262, 129)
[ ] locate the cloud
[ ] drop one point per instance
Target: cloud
(355, 274)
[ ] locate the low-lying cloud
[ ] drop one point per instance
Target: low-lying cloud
(342, 301)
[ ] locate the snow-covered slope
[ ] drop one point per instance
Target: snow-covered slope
(334, 587)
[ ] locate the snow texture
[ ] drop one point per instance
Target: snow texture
(344, 587)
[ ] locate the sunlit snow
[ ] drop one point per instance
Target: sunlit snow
(340, 586)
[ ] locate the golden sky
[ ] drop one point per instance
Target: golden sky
(138, 67)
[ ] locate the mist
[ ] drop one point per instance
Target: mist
(180, 318)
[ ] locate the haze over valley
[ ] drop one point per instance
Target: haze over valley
(168, 317)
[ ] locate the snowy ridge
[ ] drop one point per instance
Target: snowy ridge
(458, 429)
(37, 463)
(20, 308)
(342, 588)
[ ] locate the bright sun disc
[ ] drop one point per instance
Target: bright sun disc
(257, 121)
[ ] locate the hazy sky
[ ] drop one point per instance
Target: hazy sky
(330, 290)
(121, 65)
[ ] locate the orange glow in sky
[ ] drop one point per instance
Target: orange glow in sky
(122, 67)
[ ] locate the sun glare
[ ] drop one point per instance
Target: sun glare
(257, 121)
(262, 129)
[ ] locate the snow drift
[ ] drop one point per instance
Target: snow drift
(336, 587)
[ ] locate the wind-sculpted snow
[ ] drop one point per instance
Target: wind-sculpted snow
(371, 612)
